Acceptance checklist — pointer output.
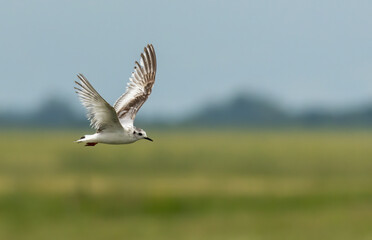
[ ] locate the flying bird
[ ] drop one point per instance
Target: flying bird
(114, 124)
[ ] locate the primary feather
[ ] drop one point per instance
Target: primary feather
(139, 87)
(101, 114)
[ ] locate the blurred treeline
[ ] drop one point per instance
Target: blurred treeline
(242, 110)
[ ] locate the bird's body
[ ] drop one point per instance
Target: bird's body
(108, 137)
(114, 125)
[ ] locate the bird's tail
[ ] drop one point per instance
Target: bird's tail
(86, 140)
(82, 139)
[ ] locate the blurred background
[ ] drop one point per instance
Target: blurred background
(261, 117)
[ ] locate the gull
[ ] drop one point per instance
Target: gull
(114, 124)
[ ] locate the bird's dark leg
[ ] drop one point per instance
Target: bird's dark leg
(92, 144)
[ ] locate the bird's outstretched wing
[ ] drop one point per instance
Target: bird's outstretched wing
(138, 88)
(102, 115)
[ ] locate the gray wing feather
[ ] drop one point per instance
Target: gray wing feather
(139, 87)
(102, 115)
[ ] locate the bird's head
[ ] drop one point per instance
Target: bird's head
(139, 133)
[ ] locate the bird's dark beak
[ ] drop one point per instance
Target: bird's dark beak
(147, 138)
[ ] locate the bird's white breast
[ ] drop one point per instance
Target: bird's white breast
(119, 137)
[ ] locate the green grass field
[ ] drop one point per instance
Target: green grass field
(188, 185)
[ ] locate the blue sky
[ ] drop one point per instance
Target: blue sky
(302, 53)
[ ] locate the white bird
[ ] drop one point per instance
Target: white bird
(114, 125)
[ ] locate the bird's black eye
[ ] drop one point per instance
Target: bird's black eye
(140, 134)
(134, 132)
